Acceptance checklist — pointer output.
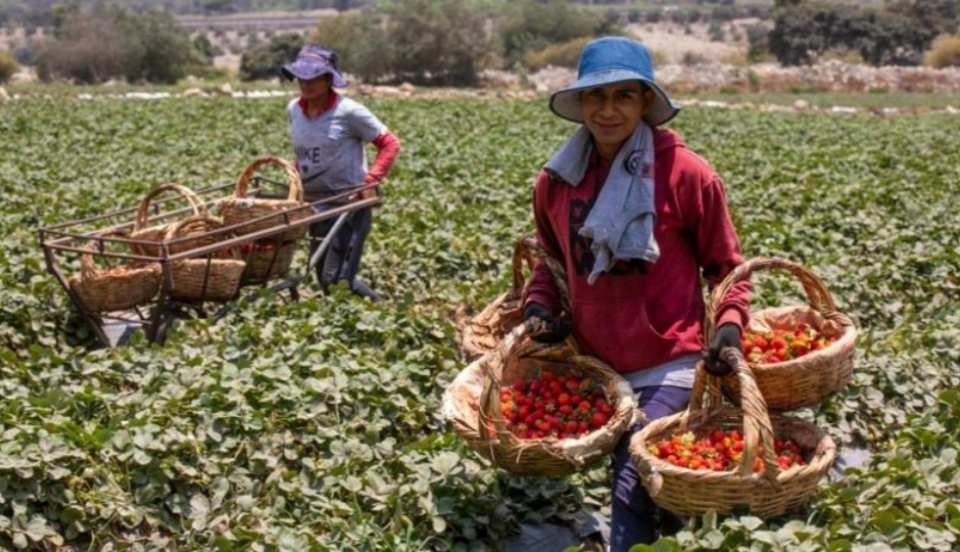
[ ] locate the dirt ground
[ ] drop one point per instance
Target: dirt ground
(676, 44)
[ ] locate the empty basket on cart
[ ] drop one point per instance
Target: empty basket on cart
(113, 289)
(213, 276)
(806, 380)
(266, 260)
(259, 213)
(151, 236)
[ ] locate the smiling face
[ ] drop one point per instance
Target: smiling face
(612, 112)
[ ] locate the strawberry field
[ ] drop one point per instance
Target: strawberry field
(314, 425)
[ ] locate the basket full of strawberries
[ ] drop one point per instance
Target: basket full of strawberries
(718, 457)
(799, 354)
(539, 409)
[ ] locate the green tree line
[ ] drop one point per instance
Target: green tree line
(897, 33)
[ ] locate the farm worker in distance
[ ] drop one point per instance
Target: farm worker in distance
(329, 132)
(637, 220)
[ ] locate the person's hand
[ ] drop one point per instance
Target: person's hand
(369, 193)
(550, 329)
(728, 335)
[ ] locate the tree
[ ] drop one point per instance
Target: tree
(804, 32)
(942, 16)
(264, 62)
(437, 42)
(157, 46)
(360, 39)
(886, 38)
(109, 42)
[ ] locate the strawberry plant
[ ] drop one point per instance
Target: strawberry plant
(313, 425)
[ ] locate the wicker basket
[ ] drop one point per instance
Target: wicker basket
(213, 277)
(264, 265)
(115, 289)
(689, 492)
(804, 381)
(485, 330)
(157, 233)
(471, 404)
(255, 213)
(482, 332)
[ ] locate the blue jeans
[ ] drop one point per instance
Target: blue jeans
(635, 519)
(341, 260)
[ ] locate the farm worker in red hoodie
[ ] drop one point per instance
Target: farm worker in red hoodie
(636, 219)
(329, 132)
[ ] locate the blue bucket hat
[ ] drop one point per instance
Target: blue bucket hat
(313, 61)
(610, 60)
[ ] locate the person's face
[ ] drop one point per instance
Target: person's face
(314, 89)
(612, 112)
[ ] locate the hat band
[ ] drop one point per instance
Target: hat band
(318, 56)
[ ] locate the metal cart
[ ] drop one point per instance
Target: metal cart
(106, 237)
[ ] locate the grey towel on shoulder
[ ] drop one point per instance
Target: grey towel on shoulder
(620, 224)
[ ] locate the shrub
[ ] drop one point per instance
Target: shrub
(105, 43)
(203, 50)
(759, 43)
(8, 66)
(360, 39)
(530, 26)
(83, 48)
(716, 32)
(558, 55)
(945, 53)
(693, 58)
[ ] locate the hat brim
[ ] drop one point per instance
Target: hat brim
(566, 102)
(307, 70)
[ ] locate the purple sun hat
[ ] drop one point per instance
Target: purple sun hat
(312, 62)
(610, 60)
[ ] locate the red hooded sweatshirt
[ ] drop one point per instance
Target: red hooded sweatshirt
(639, 315)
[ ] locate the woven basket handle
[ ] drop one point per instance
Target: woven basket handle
(559, 274)
(523, 253)
(295, 192)
(87, 268)
(143, 211)
(200, 225)
(757, 429)
(817, 295)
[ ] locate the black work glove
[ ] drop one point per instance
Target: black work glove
(728, 335)
(550, 329)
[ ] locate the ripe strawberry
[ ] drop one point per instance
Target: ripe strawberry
(560, 406)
